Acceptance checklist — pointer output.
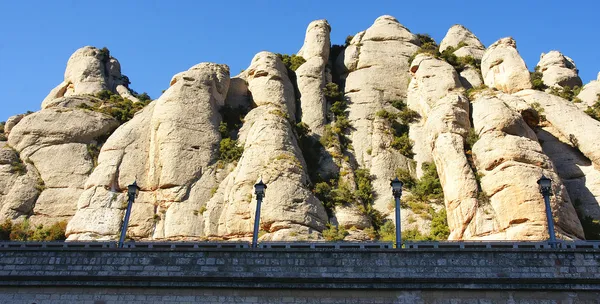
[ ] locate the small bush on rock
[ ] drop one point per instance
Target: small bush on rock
(292, 62)
(334, 233)
(594, 110)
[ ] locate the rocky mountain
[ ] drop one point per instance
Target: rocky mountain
(468, 129)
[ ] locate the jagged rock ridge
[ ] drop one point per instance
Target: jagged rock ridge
(399, 114)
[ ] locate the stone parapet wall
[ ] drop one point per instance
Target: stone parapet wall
(511, 269)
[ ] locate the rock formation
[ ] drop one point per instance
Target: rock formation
(311, 75)
(89, 71)
(464, 41)
(589, 93)
(503, 68)
(558, 70)
(327, 157)
(510, 160)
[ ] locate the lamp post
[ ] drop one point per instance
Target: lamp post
(397, 192)
(132, 192)
(545, 185)
(259, 190)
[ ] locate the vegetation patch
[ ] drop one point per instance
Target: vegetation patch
(334, 233)
(536, 80)
(2, 136)
(567, 93)
(538, 108)
(232, 120)
(335, 133)
(594, 110)
(94, 151)
(429, 46)
(292, 62)
(398, 123)
(23, 231)
(122, 109)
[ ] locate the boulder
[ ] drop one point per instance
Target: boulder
(470, 77)
(11, 122)
(89, 71)
(558, 70)
(459, 34)
(289, 210)
(589, 94)
(54, 144)
(181, 125)
(503, 68)
(312, 76)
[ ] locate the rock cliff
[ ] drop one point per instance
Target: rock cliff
(468, 129)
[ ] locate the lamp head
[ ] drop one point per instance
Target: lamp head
(396, 187)
(545, 185)
(260, 187)
(133, 189)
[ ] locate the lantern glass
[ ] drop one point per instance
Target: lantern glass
(396, 184)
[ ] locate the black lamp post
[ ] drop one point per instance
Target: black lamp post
(259, 190)
(132, 192)
(545, 185)
(397, 192)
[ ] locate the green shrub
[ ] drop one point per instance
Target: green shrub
(292, 62)
(94, 152)
(364, 189)
(567, 93)
(536, 80)
(591, 228)
(387, 232)
(5, 229)
(407, 180)
(229, 150)
(425, 38)
(122, 109)
(56, 232)
(471, 139)
(429, 186)
(104, 54)
(594, 110)
(439, 226)
(2, 136)
(404, 145)
(334, 233)
(348, 40)
(21, 231)
(538, 108)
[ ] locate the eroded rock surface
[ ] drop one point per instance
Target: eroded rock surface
(376, 73)
(289, 210)
(589, 93)
(558, 70)
(181, 125)
(89, 71)
(459, 34)
(434, 92)
(510, 161)
(503, 68)
(311, 76)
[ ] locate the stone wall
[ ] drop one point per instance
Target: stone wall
(111, 275)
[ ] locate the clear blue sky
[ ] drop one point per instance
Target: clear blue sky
(155, 39)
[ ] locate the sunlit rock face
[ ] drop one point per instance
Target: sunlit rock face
(467, 134)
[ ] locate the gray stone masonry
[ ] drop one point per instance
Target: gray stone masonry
(362, 269)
